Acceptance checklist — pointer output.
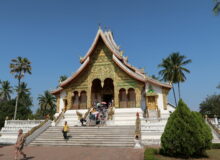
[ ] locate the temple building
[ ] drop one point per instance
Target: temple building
(106, 75)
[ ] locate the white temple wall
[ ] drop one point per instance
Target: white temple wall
(62, 96)
(158, 91)
(170, 108)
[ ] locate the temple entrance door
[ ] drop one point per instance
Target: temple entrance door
(96, 91)
(151, 102)
(102, 93)
(108, 98)
(108, 91)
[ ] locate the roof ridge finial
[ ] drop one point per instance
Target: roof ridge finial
(105, 28)
(100, 27)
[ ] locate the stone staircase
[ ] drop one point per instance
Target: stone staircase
(152, 128)
(9, 132)
(108, 136)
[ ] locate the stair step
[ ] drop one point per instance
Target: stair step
(108, 136)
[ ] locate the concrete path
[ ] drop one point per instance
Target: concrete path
(73, 153)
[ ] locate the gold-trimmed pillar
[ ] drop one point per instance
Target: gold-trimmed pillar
(138, 97)
(165, 93)
(69, 99)
(116, 99)
(89, 94)
(58, 104)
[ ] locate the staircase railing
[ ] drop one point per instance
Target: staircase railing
(59, 117)
(36, 131)
(213, 126)
(138, 126)
(147, 113)
(111, 113)
(158, 113)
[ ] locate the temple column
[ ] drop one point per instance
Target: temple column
(165, 93)
(69, 100)
(116, 94)
(89, 94)
(138, 97)
(126, 97)
(58, 104)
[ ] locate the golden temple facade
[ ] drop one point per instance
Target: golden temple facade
(106, 75)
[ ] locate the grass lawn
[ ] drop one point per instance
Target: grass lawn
(213, 154)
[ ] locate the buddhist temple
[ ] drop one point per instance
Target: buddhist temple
(105, 75)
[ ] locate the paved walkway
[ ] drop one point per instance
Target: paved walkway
(73, 153)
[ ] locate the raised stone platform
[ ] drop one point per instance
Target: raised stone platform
(10, 130)
(122, 116)
(151, 128)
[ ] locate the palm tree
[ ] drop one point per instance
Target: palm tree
(24, 94)
(178, 62)
(5, 90)
(47, 103)
(218, 86)
(19, 67)
(216, 8)
(167, 73)
(62, 78)
(22, 89)
(155, 77)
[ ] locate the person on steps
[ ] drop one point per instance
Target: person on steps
(65, 130)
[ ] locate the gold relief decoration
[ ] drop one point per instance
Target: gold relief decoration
(101, 66)
(58, 103)
(165, 93)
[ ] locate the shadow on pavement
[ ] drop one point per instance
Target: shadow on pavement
(27, 158)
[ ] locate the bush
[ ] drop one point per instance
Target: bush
(185, 134)
(215, 145)
(203, 135)
(149, 154)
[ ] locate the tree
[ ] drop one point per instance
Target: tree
(47, 103)
(168, 74)
(5, 90)
(218, 86)
(186, 134)
(173, 70)
(7, 110)
(211, 106)
(178, 62)
(204, 135)
(19, 67)
(216, 8)
(24, 94)
(155, 77)
(62, 78)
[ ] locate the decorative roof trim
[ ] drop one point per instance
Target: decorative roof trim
(62, 84)
(128, 71)
(56, 91)
(109, 42)
(75, 74)
(156, 82)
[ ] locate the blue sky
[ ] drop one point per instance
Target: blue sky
(53, 35)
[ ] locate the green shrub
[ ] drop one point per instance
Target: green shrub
(203, 135)
(215, 145)
(185, 134)
(149, 154)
